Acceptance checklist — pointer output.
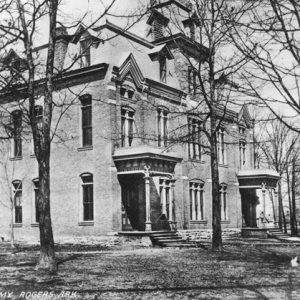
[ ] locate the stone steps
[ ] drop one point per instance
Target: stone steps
(277, 234)
(169, 239)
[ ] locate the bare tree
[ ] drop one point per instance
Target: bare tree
(29, 79)
(277, 145)
(269, 37)
(214, 69)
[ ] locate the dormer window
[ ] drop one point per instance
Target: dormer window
(190, 25)
(85, 52)
(192, 84)
(163, 69)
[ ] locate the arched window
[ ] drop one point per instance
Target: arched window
(17, 201)
(86, 120)
(87, 196)
(127, 121)
(195, 129)
(224, 202)
(162, 126)
(196, 200)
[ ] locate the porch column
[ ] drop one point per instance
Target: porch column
(171, 199)
(263, 190)
(193, 202)
(148, 225)
(164, 198)
(276, 212)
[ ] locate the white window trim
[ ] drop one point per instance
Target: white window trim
(81, 222)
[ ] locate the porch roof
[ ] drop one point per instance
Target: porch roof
(135, 159)
(255, 178)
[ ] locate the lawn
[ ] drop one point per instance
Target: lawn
(246, 271)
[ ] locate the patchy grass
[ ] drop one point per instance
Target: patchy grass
(240, 272)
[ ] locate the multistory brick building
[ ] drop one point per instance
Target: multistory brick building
(128, 151)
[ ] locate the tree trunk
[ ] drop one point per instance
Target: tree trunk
(281, 217)
(216, 203)
(47, 252)
(294, 230)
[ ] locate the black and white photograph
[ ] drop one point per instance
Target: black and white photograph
(149, 149)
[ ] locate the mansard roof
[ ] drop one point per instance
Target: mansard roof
(161, 50)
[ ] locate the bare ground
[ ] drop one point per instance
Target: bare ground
(245, 271)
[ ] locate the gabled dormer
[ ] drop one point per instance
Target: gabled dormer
(88, 39)
(161, 54)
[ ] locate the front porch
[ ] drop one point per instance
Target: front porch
(146, 176)
(250, 181)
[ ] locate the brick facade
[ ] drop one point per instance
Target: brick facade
(127, 60)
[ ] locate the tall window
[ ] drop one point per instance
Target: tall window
(38, 114)
(127, 120)
(17, 130)
(192, 81)
(36, 195)
(17, 201)
(197, 201)
(242, 154)
(87, 196)
(86, 120)
(164, 191)
(162, 126)
(85, 52)
(163, 69)
(221, 146)
(224, 204)
(194, 138)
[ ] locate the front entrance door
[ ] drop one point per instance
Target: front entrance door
(133, 215)
(249, 202)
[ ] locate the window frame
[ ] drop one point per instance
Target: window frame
(85, 52)
(197, 200)
(16, 121)
(87, 186)
(35, 188)
(17, 209)
(221, 146)
(242, 154)
(127, 126)
(86, 123)
(224, 201)
(162, 126)
(163, 69)
(194, 144)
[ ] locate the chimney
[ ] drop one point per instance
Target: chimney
(61, 47)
